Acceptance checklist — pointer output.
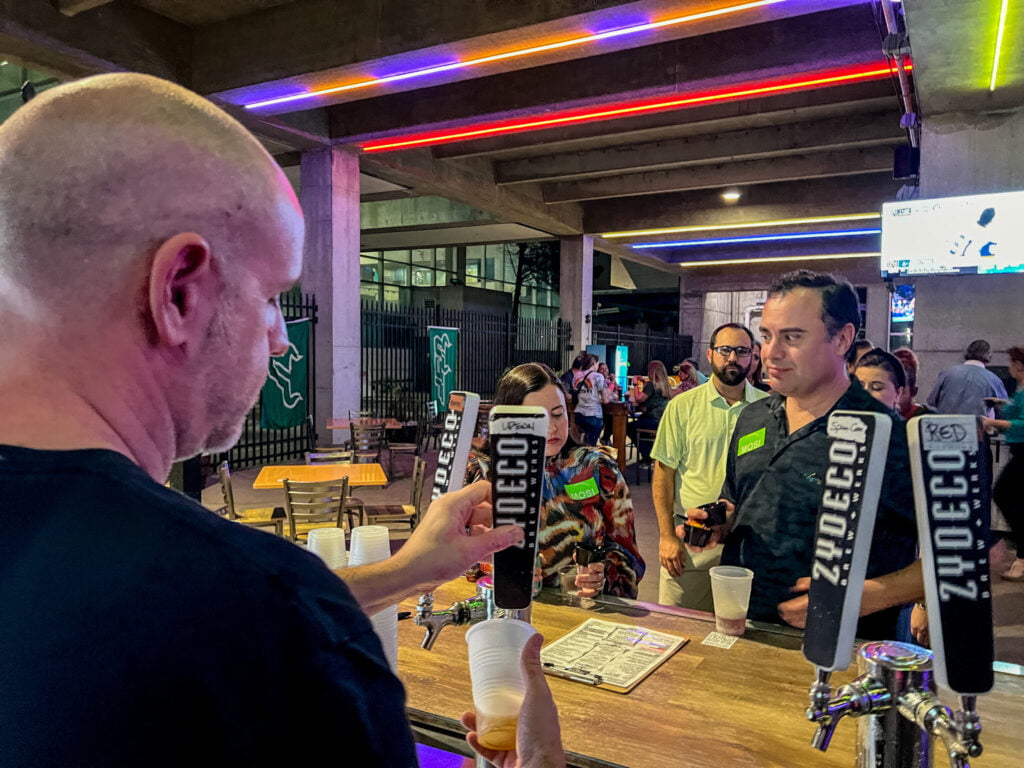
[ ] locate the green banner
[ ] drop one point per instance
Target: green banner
(444, 348)
(283, 399)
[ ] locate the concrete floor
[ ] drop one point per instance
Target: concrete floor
(1008, 597)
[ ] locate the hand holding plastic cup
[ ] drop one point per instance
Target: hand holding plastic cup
(495, 669)
(730, 589)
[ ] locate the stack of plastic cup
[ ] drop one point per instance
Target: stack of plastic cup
(372, 544)
(495, 669)
(329, 545)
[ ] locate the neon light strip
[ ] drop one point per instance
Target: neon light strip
(723, 262)
(515, 54)
(807, 81)
(760, 238)
(999, 44)
(748, 225)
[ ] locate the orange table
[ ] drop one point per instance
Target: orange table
(388, 423)
(273, 475)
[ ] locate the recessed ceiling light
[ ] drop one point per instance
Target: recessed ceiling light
(731, 195)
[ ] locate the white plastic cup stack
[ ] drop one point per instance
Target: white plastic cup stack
(372, 544)
(329, 545)
(495, 669)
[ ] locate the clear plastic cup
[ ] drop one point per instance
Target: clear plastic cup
(370, 544)
(730, 588)
(329, 545)
(495, 669)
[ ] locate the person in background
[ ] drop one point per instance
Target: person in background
(859, 348)
(614, 395)
(138, 627)
(756, 374)
(908, 408)
(569, 375)
(690, 458)
(1008, 492)
(778, 457)
(654, 397)
(688, 377)
(882, 375)
(963, 388)
(591, 392)
(586, 499)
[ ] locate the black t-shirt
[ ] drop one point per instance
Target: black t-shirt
(139, 629)
(776, 481)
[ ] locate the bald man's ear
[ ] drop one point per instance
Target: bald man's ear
(183, 289)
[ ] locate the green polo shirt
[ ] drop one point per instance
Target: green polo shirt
(776, 481)
(693, 439)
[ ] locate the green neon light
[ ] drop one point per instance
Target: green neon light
(999, 44)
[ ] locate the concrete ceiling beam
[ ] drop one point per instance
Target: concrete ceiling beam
(112, 38)
(762, 202)
(849, 132)
(664, 70)
(75, 7)
(791, 168)
(472, 183)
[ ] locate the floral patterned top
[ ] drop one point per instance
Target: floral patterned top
(585, 500)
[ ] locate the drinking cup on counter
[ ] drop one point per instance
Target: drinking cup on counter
(329, 545)
(496, 672)
(370, 544)
(730, 589)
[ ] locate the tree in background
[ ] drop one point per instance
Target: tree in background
(536, 265)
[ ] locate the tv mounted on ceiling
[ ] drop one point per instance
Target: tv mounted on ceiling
(968, 235)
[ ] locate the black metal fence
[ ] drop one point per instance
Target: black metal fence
(395, 354)
(262, 446)
(645, 345)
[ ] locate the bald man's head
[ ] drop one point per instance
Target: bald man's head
(96, 174)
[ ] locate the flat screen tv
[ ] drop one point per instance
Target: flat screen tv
(969, 235)
(903, 304)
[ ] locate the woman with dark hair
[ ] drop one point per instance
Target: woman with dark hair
(882, 375)
(586, 500)
(1008, 492)
(857, 350)
(591, 392)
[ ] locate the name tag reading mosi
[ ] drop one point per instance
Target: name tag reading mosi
(518, 439)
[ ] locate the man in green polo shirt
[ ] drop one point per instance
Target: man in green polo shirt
(689, 468)
(779, 454)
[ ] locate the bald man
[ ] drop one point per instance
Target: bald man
(144, 239)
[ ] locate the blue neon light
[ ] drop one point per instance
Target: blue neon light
(761, 238)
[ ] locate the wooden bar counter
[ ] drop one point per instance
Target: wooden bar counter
(705, 706)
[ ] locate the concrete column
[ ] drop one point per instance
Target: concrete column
(962, 155)
(876, 320)
(330, 200)
(576, 288)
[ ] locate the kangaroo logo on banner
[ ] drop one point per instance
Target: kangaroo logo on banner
(283, 398)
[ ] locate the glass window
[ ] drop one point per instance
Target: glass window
(395, 274)
(402, 257)
(369, 291)
(392, 294)
(423, 257)
(369, 268)
(422, 277)
(473, 272)
(443, 278)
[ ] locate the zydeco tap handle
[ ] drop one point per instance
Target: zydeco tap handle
(518, 437)
(456, 439)
(857, 449)
(951, 497)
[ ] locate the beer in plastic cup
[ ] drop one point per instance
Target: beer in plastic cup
(730, 588)
(495, 669)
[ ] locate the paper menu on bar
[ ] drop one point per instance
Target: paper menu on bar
(609, 655)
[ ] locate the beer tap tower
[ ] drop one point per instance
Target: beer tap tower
(896, 692)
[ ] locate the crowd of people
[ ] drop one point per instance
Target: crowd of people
(120, 596)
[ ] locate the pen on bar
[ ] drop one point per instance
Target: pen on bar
(551, 669)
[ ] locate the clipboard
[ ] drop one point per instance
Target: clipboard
(605, 654)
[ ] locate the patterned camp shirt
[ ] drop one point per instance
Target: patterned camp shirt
(585, 500)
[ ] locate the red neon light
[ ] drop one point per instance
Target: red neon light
(806, 81)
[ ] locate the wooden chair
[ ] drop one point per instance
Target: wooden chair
(338, 455)
(311, 505)
(405, 449)
(402, 513)
(256, 517)
(367, 443)
(311, 442)
(433, 425)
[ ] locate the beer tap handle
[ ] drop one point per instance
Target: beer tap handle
(924, 709)
(858, 446)
(518, 437)
(948, 464)
(968, 723)
(819, 695)
(863, 696)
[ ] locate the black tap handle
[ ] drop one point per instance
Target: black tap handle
(949, 465)
(518, 437)
(857, 449)
(456, 439)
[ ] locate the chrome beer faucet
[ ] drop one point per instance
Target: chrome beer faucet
(462, 612)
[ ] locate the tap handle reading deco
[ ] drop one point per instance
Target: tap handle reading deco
(949, 468)
(456, 439)
(518, 439)
(857, 449)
